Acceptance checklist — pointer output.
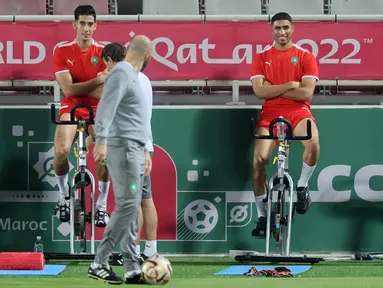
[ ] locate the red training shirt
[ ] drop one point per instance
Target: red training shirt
(283, 66)
(82, 65)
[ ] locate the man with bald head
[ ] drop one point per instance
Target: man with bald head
(122, 130)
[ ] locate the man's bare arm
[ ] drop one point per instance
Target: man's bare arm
(270, 91)
(71, 89)
(96, 93)
(304, 93)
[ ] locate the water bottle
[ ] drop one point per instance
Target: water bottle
(38, 245)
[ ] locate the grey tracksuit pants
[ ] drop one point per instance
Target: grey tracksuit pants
(126, 168)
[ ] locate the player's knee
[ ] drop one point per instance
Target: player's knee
(61, 151)
(260, 163)
(63, 142)
(312, 146)
(147, 203)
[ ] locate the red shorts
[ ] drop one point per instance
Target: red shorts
(292, 114)
(80, 113)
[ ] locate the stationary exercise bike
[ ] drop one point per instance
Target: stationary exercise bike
(281, 186)
(82, 178)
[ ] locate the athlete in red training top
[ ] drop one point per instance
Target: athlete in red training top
(284, 75)
(80, 72)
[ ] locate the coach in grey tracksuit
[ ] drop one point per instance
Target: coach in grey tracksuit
(122, 123)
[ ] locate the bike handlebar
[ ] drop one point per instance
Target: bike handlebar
(289, 131)
(72, 120)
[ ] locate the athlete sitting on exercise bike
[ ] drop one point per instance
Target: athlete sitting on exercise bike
(284, 75)
(80, 73)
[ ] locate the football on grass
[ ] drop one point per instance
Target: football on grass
(156, 270)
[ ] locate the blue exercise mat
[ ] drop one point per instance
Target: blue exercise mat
(49, 270)
(239, 270)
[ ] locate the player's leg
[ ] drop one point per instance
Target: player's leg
(101, 217)
(263, 150)
(64, 138)
(150, 220)
(138, 240)
(150, 217)
(310, 158)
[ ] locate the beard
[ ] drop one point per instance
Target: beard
(145, 64)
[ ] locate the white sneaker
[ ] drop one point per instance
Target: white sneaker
(62, 210)
(101, 218)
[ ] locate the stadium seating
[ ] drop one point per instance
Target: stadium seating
(66, 7)
(214, 90)
(353, 7)
(296, 6)
(230, 7)
(169, 7)
(23, 7)
(131, 7)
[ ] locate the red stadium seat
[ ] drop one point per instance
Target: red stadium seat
(23, 7)
(66, 7)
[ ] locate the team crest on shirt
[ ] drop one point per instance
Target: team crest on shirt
(294, 60)
(94, 60)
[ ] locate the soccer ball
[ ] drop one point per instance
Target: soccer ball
(156, 270)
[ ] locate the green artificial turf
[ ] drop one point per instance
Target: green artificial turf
(198, 272)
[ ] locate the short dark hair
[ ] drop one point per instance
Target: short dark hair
(114, 51)
(84, 10)
(281, 16)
